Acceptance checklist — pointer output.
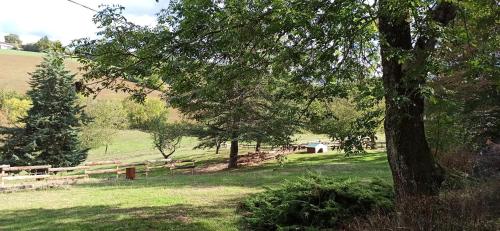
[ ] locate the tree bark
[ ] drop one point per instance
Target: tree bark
(257, 145)
(217, 147)
(233, 154)
(414, 170)
(373, 141)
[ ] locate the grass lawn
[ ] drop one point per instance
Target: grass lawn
(133, 145)
(168, 202)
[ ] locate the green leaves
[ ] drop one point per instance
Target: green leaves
(166, 136)
(315, 202)
(50, 135)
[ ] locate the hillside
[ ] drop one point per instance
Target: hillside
(15, 66)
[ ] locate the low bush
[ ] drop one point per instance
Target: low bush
(472, 208)
(15, 109)
(315, 202)
(13, 106)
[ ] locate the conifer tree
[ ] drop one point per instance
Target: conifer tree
(50, 135)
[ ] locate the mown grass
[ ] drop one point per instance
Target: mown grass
(134, 145)
(170, 202)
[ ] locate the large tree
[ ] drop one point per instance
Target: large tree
(50, 134)
(405, 68)
(216, 67)
(211, 52)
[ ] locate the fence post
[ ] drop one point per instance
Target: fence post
(2, 173)
(117, 171)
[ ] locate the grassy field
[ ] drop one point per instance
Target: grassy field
(170, 202)
(133, 145)
(15, 66)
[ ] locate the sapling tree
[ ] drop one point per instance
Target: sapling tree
(166, 136)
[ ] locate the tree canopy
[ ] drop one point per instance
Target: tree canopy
(233, 65)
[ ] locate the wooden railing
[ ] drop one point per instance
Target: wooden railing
(12, 173)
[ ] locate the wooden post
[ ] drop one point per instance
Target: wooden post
(117, 171)
(146, 169)
(2, 173)
(130, 173)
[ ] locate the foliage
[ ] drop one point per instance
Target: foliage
(106, 117)
(30, 47)
(315, 202)
(50, 135)
(467, 208)
(141, 115)
(347, 121)
(15, 109)
(13, 105)
(166, 137)
(228, 63)
(227, 87)
(464, 108)
(13, 39)
(44, 44)
(208, 137)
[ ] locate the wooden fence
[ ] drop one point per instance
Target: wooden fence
(46, 172)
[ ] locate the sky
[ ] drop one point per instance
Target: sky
(63, 20)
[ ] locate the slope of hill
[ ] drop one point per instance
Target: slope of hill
(15, 67)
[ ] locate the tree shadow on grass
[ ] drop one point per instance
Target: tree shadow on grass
(175, 217)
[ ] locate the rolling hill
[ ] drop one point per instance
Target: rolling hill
(15, 67)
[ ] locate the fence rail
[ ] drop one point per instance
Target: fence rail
(86, 170)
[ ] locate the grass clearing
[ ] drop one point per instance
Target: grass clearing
(134, 145)
(171, 202)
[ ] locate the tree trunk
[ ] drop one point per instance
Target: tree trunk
(217, 147)
(373, 142)
(233, 154)
(257, 145)
(414, 170)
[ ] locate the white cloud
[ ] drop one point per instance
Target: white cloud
(65, 21)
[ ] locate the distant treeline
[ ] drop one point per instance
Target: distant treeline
(43, 44)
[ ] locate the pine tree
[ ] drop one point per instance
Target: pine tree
(52, 124)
